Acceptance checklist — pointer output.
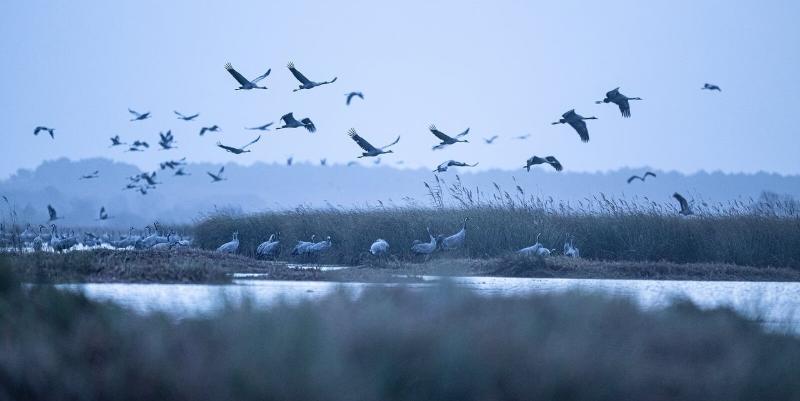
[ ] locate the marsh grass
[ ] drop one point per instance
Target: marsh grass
(619, 232)
(389, 344)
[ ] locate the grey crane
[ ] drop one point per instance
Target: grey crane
(51, 211)
(576, 121)
(115, 141)
(305, 83)
(289, 160)
(369, 150)
(446, 139)
(264, 127)
(535, 249)
(166, 140)
(379, 247)
(301, 246)
(185, 117)
(238, 151)
(642, 177)
(319, 247)
(181, 173)
(213, 128)
(244, 84)
(103, 213)
(685, 209)
(268, 248)
(139, 116)
(451, 163)
(622, 101)
(171, 164)
(552, 161)
(711, 87)
(491, 140)
(41, 128)
(570, 250)
(351, 95)
(92, 175)
(218, 176)
(231, 246)
(323, 162)
(426, 248)
(290, 122)
(456, 240)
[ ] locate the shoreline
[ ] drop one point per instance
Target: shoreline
(205, 267)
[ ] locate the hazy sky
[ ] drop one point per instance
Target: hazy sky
(499, 67)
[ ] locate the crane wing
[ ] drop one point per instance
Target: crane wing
(288, 119)
(309, 125)
(439, 134)
(135, 113)
(554, 162)
(392, 144)
(300, 77)
(633, 177)
(238, 77)
(361, 141)
(52, 212)
(624, 106)
(228, 148)
(651, 174)
(681, 200)
(463, 133)
(251, 142)
(580, 127)
(260, 77)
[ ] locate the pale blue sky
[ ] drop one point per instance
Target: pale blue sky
(499, 67)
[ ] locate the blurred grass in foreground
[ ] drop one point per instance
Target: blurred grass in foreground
(389, 344)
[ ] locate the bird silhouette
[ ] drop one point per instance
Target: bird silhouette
(264, 127)
(351, 95)
(451, 163)
(491, 140)
(552, 161)
(244, 84)
(576, 121)
(238, 151)
(290, 122)
(614, 96)
(711, 87)
(685, 209)
(641, 178)
(40, 128)
(369, 150)
(305, 83)
(139, 116)
(447, 140)
(213, 128)
(186, 118)
(218, 176)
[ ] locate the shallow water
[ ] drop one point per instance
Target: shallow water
(776, 305)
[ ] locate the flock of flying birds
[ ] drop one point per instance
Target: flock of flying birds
(145, 181)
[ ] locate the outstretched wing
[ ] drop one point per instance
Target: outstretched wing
(179, 114)
(439, 134)
(624, 106)
(613, 93)
(554, 162)
(214, 177)
(51, 212)
(135, 113)
(392, 144)
(580, 127)
(238, 77)
(651, 174)
(251, 142)
(300, 77)
(289, 119)
(361, 141)
(308, 124)
(260, 77)
(463, 133)
(221, 170)
(681, 200)
(633, 177)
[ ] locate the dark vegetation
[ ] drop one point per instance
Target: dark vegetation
(389, 344)
(614, 234)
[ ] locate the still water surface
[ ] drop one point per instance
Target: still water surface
(776, 305)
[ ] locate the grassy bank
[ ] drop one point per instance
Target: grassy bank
(741, 239)
(198, 266)
(389, 344)
(175, 266)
